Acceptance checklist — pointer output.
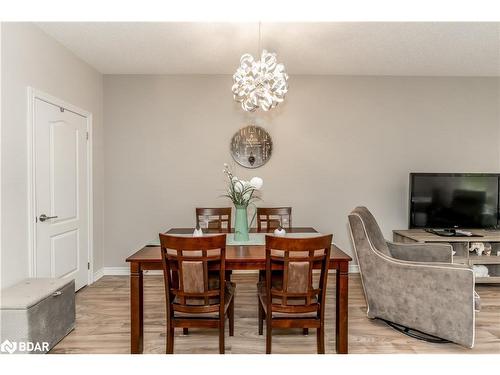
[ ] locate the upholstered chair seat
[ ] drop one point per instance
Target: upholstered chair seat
(261, 287)
(192, 302)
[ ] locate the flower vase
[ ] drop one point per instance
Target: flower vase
(241, 224)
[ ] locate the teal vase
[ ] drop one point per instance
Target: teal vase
(241, 224)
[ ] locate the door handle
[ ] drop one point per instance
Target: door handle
(44, 217)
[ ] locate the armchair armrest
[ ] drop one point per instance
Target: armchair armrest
(435, 298)
(421, 252)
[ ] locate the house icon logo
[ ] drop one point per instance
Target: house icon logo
(8, 347)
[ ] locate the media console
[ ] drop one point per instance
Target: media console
(452, 233)
(461, 247)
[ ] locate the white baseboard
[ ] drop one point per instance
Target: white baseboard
(125, 271)
(153, 272)
(98, 274)
(116, 271)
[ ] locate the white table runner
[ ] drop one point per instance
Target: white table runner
(254, 238)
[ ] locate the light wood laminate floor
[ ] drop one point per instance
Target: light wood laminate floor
(102, 324)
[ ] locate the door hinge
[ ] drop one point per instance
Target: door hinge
(87, 136)
(88, 265)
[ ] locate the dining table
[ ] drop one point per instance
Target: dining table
(240, 255)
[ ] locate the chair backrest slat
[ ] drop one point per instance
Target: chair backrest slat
(270, 218)
(218, 218)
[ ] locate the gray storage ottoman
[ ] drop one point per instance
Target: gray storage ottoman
(36, 314)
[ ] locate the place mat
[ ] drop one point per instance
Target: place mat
(255, 239)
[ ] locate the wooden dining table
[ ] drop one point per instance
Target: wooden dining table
(238, 257)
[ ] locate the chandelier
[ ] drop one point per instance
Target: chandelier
(260, 83)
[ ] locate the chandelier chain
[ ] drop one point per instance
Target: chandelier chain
(260, 41)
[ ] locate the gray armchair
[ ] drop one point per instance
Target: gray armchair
(414, 285)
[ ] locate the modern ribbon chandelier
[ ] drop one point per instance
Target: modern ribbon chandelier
(260, 83)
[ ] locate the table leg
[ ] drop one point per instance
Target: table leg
(136, 309)
(341, 290)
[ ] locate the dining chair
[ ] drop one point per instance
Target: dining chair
(291, 299)
(215, 218)
(194, 296)
(270, 218)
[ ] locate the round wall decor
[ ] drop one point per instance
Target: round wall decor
(251, 146)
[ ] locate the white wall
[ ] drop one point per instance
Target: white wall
(31, 58)
(338, 142)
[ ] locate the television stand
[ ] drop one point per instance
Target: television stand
(452, 233)
(461, 247)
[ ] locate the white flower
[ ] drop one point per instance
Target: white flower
(257, 183)
(239, 185)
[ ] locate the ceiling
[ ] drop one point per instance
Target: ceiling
(360, 48)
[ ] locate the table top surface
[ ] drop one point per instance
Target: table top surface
(234, 253)
(252, 230)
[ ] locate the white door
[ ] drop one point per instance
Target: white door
(61, 195)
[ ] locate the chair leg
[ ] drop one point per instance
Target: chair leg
(269, 332)
(262, 275)
(305, 331)
(231, 318)
(221, 335)
(261, 317)
(170, 338)
(320, 339)
(185, 331)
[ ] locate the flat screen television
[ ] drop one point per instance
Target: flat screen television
(454, 200)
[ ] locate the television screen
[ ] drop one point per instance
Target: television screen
(454, 200)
